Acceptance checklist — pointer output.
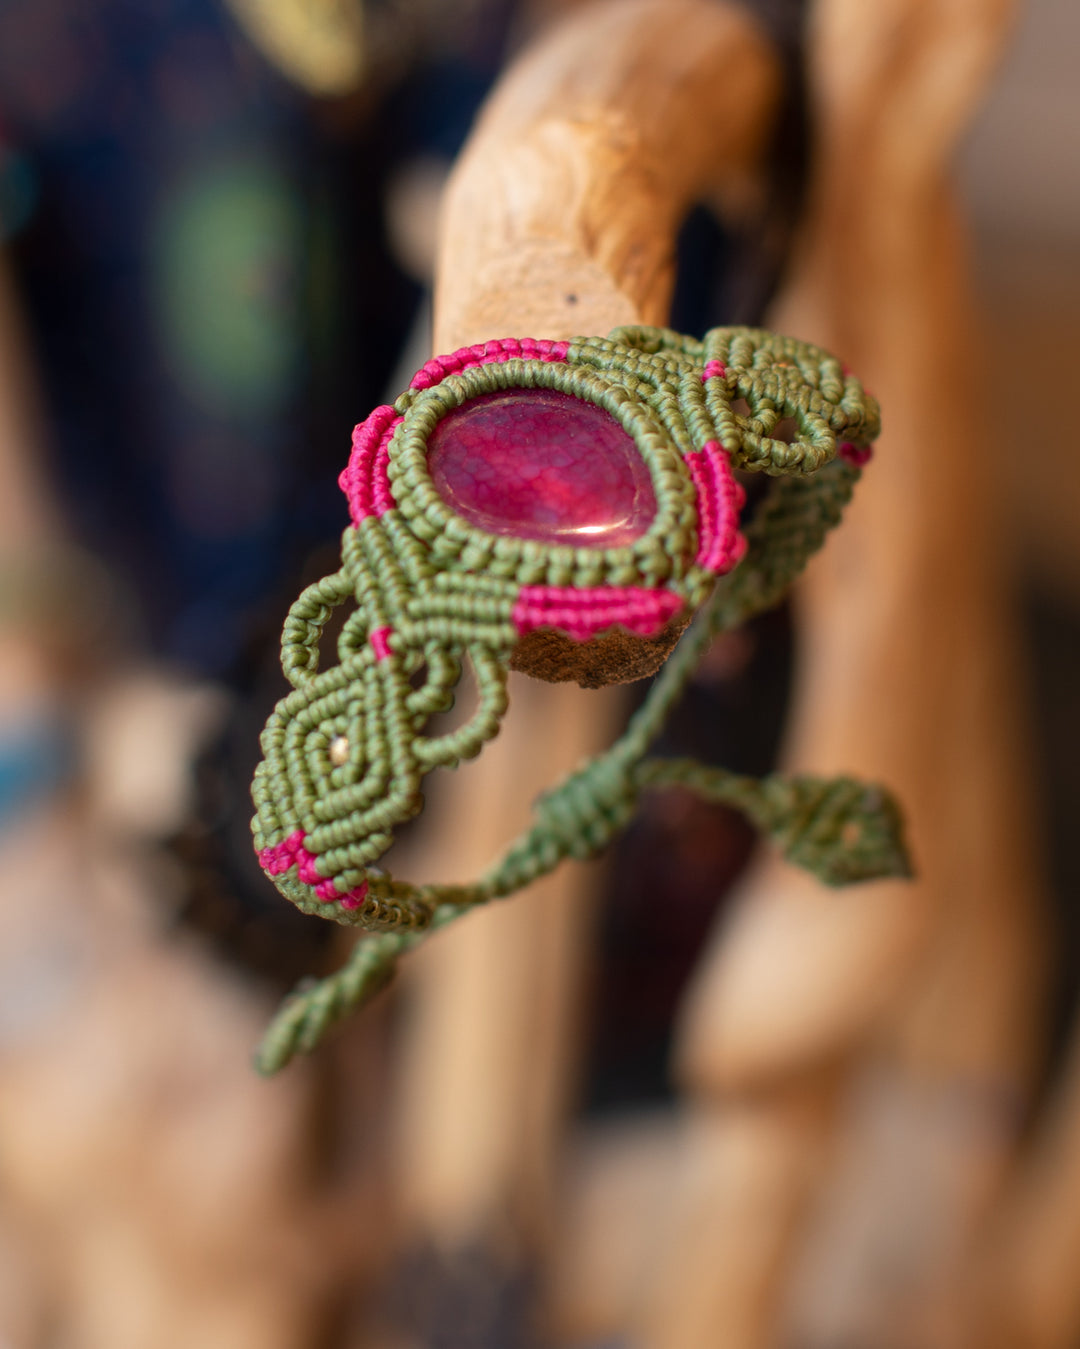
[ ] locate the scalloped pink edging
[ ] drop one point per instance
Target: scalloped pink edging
(291, 852)
(364, 480)
(380, 642)
(581, 614)
(855, 454)
(720, 499)
(488, 353)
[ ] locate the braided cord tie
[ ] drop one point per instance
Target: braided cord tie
(346, 751)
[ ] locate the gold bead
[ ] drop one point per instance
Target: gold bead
(339, 750)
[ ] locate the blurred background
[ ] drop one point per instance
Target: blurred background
(217, 234)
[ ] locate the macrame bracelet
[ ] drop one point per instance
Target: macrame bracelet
(563, 508)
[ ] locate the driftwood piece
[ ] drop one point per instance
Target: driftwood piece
(560, 219)
(1027, 1295)
(561, 214)
(904, 675)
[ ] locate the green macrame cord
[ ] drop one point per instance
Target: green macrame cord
(345, 753)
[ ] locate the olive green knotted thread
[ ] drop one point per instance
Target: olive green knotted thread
(642, 377)
(467, 742)
(399, 568)
(311, 1012)
(777, 377)
(345, 754)
(581, 815)
(841, 830)
(574, 805)
(659, 555)
(788, 527)
(305, 622)
(307, 1015)
(371, 704)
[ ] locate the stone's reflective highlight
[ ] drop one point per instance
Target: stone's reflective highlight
(539, 464)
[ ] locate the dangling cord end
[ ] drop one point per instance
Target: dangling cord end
(841, 830)
(307, 1016)
(315, 1008)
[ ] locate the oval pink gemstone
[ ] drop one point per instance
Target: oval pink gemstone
(539, 464)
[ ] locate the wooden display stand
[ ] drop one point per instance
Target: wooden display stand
(560, 219)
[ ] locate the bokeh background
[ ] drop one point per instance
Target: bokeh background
(217, 227)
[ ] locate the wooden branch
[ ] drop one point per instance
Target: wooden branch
(562, 212)
(1028, 1295)
(560, 219)
(905, 665)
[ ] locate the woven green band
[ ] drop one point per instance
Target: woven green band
(346, 751)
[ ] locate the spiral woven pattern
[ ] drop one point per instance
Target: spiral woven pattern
(423, 592)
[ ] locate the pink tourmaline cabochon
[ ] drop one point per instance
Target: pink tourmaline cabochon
(539, 464)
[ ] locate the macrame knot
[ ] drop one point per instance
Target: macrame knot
(563, 508)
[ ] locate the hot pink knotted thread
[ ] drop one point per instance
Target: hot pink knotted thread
(380, 642)
(291, 852)
(382, 498)
(581, 614)
(720, 499)
(713, 368)
(855, 454)
(364, 480)
(282, 855)
(488, 353)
